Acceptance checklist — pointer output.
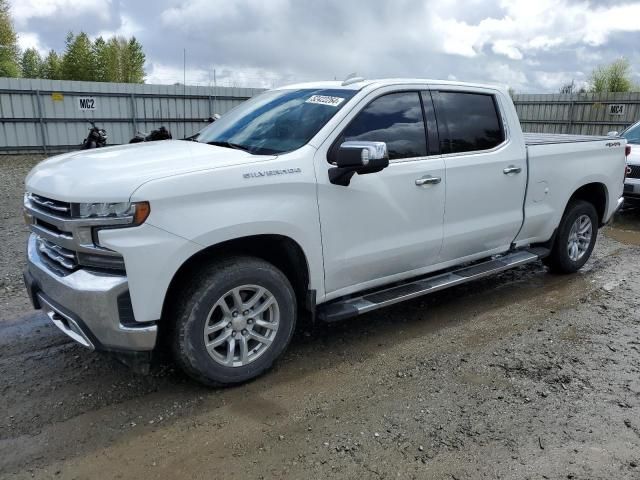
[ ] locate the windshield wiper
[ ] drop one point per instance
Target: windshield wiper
(235, 146)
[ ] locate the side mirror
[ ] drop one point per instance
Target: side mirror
(358, 157)
(614, 133)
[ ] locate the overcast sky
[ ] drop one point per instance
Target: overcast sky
(530, 45)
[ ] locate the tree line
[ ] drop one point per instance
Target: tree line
(115, 59)
(614, 77)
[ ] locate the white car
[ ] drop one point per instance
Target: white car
(632, 180)
(332, 198)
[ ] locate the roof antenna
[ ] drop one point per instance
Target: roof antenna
(352, 78)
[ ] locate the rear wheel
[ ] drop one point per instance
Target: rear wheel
(236, 318)
(575, 238)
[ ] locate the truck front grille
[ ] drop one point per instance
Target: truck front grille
(633, 171)
(61, 257)
(64, 241)
(48, 205)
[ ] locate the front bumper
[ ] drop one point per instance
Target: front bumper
(632, 188)
(87, 306)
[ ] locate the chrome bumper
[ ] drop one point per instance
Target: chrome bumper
(632, 188)
(85, 306)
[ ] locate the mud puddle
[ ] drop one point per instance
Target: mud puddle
(625, 227)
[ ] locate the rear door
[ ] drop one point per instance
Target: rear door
(486, 173)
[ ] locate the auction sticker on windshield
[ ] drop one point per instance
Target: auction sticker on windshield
(325, 100)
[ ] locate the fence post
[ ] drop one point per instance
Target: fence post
(43, 129)
(134, 115)
(573, 102)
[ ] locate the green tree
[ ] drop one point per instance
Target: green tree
(615, 77)
(51, 66)
(78, 62)
(31, 63)
(9, 52)
(132, 62)
(100, 71)
(112, 59)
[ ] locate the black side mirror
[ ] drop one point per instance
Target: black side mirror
(358, 157)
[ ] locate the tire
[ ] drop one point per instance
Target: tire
(572, 247)
(204, 299)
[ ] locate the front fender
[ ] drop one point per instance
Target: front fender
(211, 207)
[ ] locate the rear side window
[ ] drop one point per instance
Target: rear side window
(396, 119)
(468, 122)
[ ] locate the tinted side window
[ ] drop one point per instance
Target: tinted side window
(468, 121)
(396, 119)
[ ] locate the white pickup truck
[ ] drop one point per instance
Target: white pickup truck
(331, 198)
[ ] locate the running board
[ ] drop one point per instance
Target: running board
(350, 307)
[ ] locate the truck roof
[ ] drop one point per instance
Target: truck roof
(337, 84)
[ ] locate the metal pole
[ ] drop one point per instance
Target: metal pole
(184, 92)
(43, 129)
(215, 91)
(571, 116)
(134, 115)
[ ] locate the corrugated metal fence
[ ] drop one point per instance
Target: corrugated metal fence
(51, 115)
(585, 114)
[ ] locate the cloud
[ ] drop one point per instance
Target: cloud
(127, 27)
(507, 48)
(555, 80)
(25, 10)
(31, 40)
(532, 26)
(530, 45)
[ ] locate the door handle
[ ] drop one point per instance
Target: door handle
(512, 169)
(428, 180)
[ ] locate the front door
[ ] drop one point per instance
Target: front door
(387, 225)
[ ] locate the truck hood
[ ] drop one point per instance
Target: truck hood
(112, 174)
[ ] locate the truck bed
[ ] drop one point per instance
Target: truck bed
(552, 138)
(559, 165)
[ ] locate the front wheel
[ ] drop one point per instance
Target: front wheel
(575, 238)
(237, 317)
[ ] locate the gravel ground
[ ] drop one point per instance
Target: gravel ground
(13, 232)
(524, 375)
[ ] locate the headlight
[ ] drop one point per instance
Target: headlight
(138, 211)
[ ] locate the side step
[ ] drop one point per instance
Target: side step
(350, 307)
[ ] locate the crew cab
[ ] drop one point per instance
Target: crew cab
(332, 198)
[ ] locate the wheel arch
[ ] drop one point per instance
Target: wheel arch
(281, 251)
(595, 193)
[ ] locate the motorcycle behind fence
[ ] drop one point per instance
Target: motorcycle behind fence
(97, 138)
(159, 134)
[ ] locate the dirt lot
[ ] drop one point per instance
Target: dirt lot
(523, 375)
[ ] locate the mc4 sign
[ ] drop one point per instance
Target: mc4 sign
(616, 109)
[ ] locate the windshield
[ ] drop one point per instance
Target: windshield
(632, 134)
(276, 121)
